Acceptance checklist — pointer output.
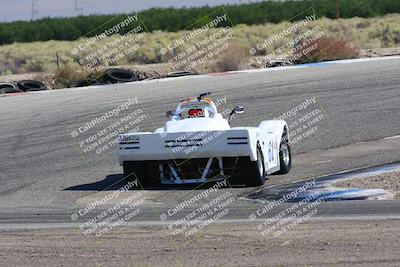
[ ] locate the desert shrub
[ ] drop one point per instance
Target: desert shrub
(235, 57)
(327, 48)
(397, 37)
(363, 24)
(386, 36)
(66, 74)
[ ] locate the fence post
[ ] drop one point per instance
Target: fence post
(58, 60)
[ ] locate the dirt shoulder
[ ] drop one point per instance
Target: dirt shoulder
(389, 181)
(314, 243)
(380, 52)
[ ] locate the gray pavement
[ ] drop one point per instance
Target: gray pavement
(43, 168)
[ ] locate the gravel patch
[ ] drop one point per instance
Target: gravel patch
(311, 243)
(388, 181)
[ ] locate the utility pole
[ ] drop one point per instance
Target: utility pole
(78, 10)
(337, 9)
(34, 9)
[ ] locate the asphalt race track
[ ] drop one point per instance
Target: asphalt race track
(43, 170)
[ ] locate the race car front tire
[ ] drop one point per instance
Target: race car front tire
(285, 155)
(252, 173)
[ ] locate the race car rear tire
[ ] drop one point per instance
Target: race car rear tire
(252, 173)
(137, 170)
(285, 155)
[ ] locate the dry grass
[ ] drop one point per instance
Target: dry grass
(235, 58)
(348, 35)
(328, 48)
(66, 74)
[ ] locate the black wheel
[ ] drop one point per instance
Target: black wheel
(7, 88)
(252, 173)
(119, 76)
(182, 73)
(285, 156)
(84, 82)
(30, 85)
(137, 170)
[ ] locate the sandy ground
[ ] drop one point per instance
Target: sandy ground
(314, 243)
(389, 182)
(380, 52)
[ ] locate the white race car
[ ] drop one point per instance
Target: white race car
(197, 145)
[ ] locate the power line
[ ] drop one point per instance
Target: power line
(78, 10)
(34, 9)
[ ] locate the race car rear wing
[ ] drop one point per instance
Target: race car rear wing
(168, 146)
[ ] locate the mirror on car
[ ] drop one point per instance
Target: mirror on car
(236, 110)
